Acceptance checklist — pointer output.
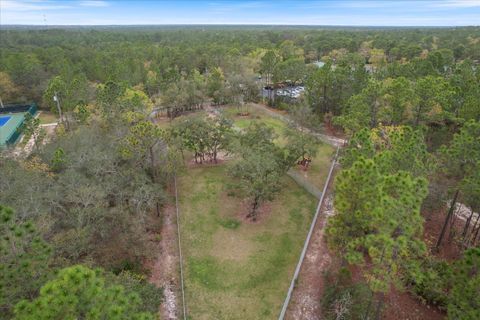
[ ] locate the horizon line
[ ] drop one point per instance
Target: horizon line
(240, 24)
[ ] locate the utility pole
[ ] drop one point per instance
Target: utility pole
(55, 98)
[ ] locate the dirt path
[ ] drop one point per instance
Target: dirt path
(306, 298)
(25, 150)
(164, 271)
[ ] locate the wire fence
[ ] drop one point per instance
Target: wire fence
(180, 250)
(304, 183)
(307, 241)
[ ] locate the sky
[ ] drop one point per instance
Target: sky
(272, 12)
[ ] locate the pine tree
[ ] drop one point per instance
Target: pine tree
(360, 145)
(464, 298)
(459, 160)
(23, 260)
(470, 188)
(378, 222)
(394, 148)
(141, 142)
(81, 293)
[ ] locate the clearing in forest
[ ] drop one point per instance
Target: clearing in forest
(235, 268)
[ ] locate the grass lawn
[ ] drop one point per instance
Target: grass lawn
(318, 170)
(237, 269)
(47, 117)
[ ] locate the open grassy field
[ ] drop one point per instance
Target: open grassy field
(234, 268)
(318, 170)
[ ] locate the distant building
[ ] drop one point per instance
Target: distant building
(11, 121)
(285, 93)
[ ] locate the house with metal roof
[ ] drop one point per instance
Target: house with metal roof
(11, 121)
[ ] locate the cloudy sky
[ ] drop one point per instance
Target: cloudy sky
(287, 12)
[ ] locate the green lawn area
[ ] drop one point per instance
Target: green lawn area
(237, 269)
(47, 117)
(318, 170)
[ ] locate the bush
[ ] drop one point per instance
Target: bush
(429, 280)
(127, 266)
(282, 106)
(344, 299)
(150, 295)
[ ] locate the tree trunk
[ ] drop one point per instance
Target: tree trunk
(152, 164)
(476, 235)
(470, 239)
(255, 205)
(35, 142)
(183, 154)
(369, 306)
(452, 222)
(447, 219)
(417, 117)
(467, 224)
(378, 311)
(373, 120)
(67, 122)
(324, 99)
(367, 312)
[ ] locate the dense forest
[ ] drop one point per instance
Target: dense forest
(78, 213)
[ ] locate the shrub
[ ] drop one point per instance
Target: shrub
(344, 299)
(429, 280)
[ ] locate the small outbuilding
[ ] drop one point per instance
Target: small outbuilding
(11, 121)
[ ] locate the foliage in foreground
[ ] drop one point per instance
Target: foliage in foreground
(344, 299)
(81, 293)
(24, 259)
(464, 300)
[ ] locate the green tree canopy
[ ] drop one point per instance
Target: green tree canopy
(258, 178)
(464, 301)
(378, 216)
(463, 154)
(81, 293)
(24, 258)
(393, 148)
